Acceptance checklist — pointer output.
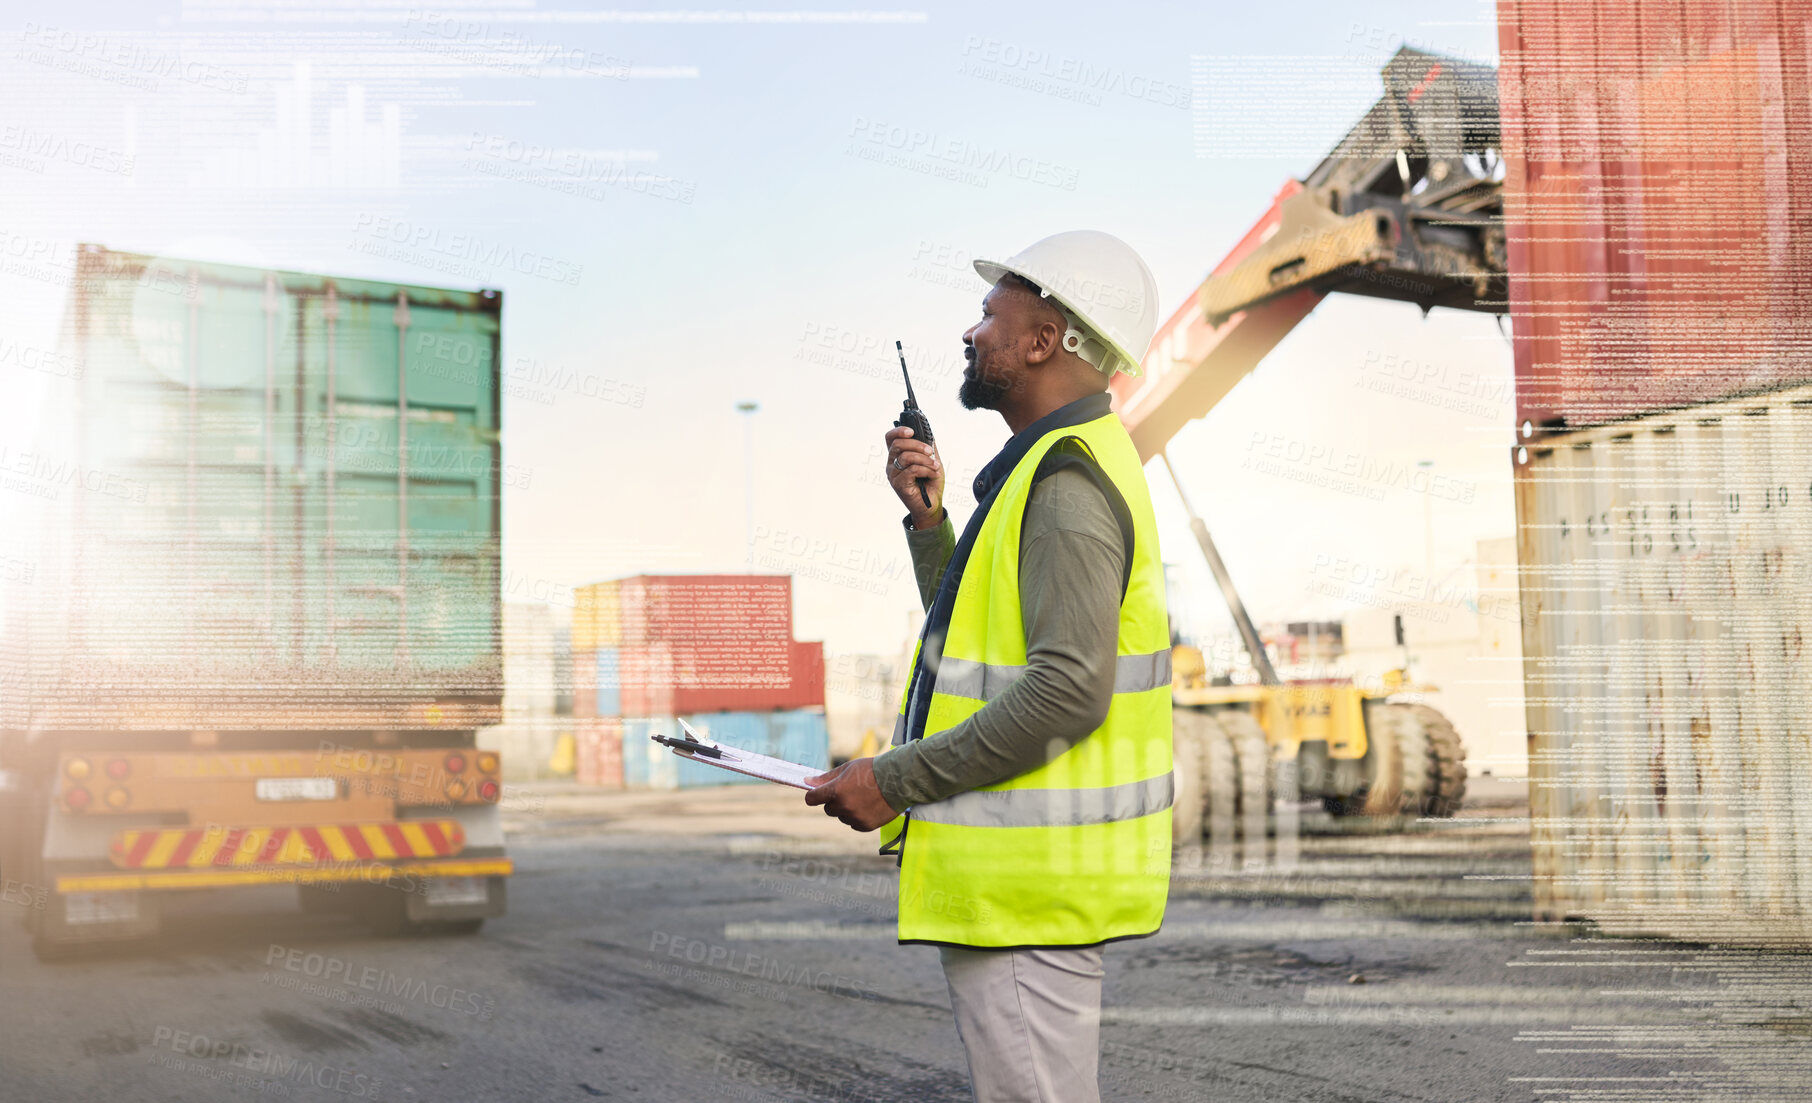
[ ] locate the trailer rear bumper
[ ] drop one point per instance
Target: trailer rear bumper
(368, 872)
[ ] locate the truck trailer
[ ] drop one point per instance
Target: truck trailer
(261, 626)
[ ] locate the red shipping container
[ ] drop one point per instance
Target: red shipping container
(1652, 184)
(598, 747)
(803, 688)
(729, 629)
(646, 675)
(807, 688)
(709, 643)
(585, 683)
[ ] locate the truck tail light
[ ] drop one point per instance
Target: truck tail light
(456, 789)
(77, 769)
(118, 797)
(456, 764)
(77, 798)
(118, 768)
(487, 763)
(487, 790)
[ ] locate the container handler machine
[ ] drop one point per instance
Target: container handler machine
(1408, 206)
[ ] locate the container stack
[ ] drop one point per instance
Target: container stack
(716, 649)
(598, 751)
(1663, 439)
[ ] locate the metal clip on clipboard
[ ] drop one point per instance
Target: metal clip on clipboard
(702, 748)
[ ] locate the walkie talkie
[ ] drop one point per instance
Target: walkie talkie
(914, 418)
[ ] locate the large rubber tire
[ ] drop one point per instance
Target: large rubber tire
(1220, 783)
(1189, 742)
(1422, 753)
(1252, 758)
(1446, 771)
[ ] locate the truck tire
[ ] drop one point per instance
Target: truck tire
(1190, 730)
(1423, 751)
(1445, 788)
(1220, 785)
(1250, 778)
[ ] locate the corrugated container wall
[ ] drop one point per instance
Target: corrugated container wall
(598, 750)
(665, 644)
(797, 735)
(1656, 177)
(597, 621)
(270, 501)
(1666, 569)
(609, 682)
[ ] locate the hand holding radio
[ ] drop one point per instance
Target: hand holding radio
(913, 468)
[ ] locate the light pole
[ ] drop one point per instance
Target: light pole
(1427, 521)
(748, 409)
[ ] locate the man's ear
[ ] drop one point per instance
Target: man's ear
(1045, 341)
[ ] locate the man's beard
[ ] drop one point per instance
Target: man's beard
(978, 393)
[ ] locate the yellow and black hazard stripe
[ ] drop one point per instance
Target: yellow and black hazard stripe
(296, 845)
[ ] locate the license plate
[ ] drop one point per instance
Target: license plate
(297, 788)
(100, 907)
(448, 891)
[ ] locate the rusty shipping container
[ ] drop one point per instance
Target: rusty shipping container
(1666, 583)
(1656, 178)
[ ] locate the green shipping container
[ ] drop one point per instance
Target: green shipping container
(270, 500)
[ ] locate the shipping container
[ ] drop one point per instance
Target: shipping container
(529, 746)
(1655, 181)
(265, 601)
(585, 682)
(529, 639)
(804, 687)
(597, 620)
(729, 627)
(598, 746)
(609, 682)
(645, 673)
(1666, 588)
(647, 764)
(270, 500)
(693, 643)
(797, 735)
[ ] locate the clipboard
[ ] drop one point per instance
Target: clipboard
(702, 748)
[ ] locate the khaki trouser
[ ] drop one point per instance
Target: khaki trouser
(1030, 1021)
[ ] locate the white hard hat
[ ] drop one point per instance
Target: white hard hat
(1103, 287)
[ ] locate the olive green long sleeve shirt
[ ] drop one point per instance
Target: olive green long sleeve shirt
(1071, 564)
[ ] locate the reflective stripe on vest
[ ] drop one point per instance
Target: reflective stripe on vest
(986, 681)
(1050, 807)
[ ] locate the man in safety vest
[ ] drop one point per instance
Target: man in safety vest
(1027, 789)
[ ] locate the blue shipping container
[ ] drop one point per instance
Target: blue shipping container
(647, 764)
(610, 682)
(797, 735)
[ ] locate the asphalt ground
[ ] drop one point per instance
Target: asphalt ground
(727, 944)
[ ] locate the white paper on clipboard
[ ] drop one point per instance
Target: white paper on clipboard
(765, 767)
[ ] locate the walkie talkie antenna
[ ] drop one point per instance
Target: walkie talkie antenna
(911, 400)
(914, 418)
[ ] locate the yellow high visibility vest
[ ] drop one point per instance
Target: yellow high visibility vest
(1077, 851)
